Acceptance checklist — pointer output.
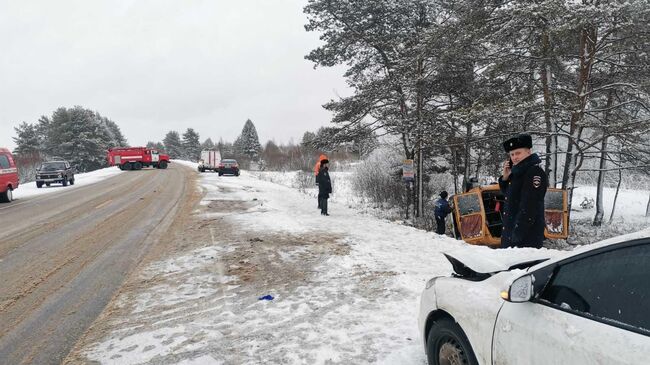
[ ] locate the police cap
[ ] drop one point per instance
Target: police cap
(519, 141)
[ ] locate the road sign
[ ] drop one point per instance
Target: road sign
(408, 172)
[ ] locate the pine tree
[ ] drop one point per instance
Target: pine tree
(172, 142)
(207, 144)
(156, 145)
(77, 136)
(115, 134)
(226, 148)
(191, 145)
(27, 139)
(248, 144)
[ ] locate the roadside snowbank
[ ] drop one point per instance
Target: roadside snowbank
(81, 179)
(629, 212)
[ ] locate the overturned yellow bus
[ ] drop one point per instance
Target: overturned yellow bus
(477, 215)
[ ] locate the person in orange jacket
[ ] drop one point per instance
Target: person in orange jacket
(317, 165)
(317, 170)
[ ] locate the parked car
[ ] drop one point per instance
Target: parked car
(8, 176)
(59, 172)
(518, 306)
(228, 166)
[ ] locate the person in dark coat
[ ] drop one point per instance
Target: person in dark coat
(317, 170)
(524, 185)
(440, 211)
(324, 186)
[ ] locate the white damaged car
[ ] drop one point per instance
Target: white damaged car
(588, 306)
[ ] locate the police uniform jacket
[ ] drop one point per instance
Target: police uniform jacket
(523, 213)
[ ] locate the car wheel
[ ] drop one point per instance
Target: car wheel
(7, 196)
(47, 184)
(448, 345)
(126, 166)
(137, 166)
(39, 184)
(162, 164)
(72, 181)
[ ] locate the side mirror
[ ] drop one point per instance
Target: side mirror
(521, 290)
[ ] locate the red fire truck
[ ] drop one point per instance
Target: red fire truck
(135, 158)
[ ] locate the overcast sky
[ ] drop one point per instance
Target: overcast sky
(159, 65)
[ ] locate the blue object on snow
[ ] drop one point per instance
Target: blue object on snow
(266, 297)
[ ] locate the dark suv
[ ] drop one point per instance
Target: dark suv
(59, 172)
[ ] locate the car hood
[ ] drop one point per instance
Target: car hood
(49, 171)
(479, 264)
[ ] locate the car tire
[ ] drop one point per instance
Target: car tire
(126, 166)
(39, 184)
(7, 196)
(137, 166)
(65, 181)
(448, 344)
(47, 184)
(162, 164)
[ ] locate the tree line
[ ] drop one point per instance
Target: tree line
(82, 137)
(453, 78)
(78, 135)
(249, 152)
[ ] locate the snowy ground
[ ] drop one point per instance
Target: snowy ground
(29, 189)
(345, 288)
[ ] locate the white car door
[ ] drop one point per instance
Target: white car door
(594, 310)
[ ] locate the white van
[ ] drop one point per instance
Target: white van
(209, 161)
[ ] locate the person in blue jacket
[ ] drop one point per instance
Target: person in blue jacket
(524, 185)
(440, 211)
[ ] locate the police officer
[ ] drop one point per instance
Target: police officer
(524, 185)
